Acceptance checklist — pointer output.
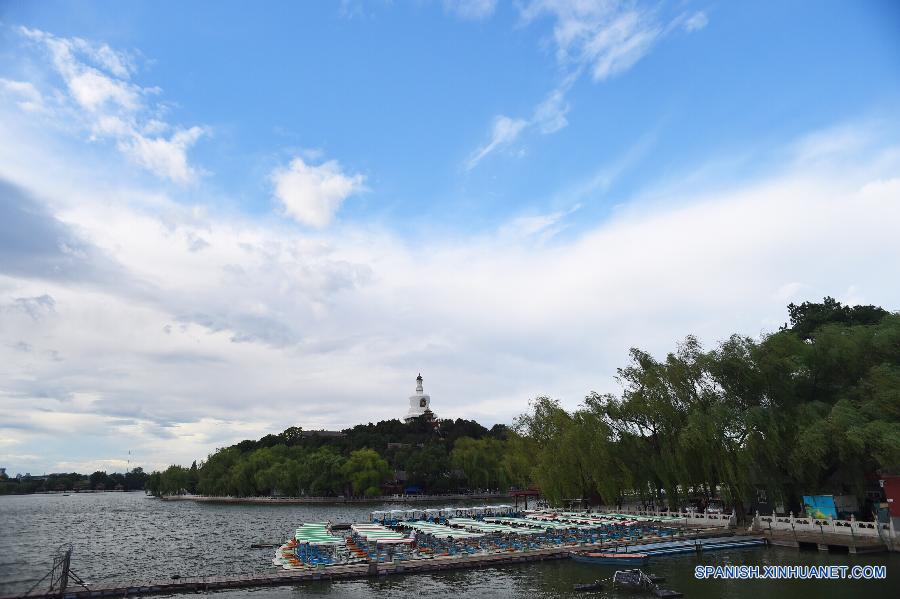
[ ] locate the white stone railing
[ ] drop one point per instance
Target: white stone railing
(825, 525)
(690, 517)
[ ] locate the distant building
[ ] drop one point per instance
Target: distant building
(322, 433)
(419, 404)
(2, 472)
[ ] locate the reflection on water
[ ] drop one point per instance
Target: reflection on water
(122, 537)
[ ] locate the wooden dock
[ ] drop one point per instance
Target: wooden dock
(334, 573)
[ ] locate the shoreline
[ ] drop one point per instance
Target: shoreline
(337, 500)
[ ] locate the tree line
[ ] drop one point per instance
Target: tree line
(132, 480)
(811, 408)
(422, 456)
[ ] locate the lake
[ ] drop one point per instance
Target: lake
(128, 537)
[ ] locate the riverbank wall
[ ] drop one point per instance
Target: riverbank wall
(858, 536)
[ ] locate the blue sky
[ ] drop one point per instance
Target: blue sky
(313, 202)
(403, 93)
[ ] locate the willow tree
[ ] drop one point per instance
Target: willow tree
(571, 453)
(482, 461)
(366, 471)
(650, 416)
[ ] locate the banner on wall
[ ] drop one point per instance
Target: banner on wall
(820, 506)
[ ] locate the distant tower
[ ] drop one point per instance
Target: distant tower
(420, 403)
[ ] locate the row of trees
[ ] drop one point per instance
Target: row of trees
(366, 460)
(133, 480)
(812, 408)
(325, 471)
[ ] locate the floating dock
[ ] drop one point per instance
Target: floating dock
(336, 572)
(699, 545)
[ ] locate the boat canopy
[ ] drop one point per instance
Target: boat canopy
(392, 541)
(488, 527)
(316, 533)
(376, 532)
(543, 524)
(439, 531)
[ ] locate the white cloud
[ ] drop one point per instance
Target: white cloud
(27, 95)
(103, 99)
(550, 115)
(89, 86)
(605, 38)
(96, 92)
(164, 157)
(312, 194)
(119, 64)
(619, 45)
(696, 22)
(504, 132)
(471, 9)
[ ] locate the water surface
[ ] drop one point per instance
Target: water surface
(128, 538)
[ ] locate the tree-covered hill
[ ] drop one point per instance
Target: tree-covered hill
(367, 459)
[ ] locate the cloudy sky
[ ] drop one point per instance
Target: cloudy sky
(217, 222)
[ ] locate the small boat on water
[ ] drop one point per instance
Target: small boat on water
(615, 559)
(636, 579)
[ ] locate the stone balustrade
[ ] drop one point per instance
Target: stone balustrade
(825, 525)
(690, 517)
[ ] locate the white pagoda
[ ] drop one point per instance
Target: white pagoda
(420, 403)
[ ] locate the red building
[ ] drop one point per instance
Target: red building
(891, 485)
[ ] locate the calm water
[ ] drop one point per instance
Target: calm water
(121, 537)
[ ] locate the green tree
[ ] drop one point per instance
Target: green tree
(292, 435)
(174, 480)
(482, 462)
(366, 471)
(154, 484)
(99, 480)
(428, 467)
(323, 473)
